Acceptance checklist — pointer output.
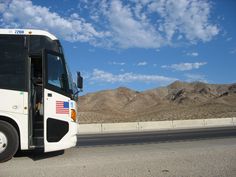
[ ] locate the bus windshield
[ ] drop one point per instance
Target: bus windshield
(56, 72)
(70, 80)
(71, 84)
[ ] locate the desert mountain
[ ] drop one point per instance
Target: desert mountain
(179, 100)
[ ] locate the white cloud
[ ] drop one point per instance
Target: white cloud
(91, 50)
(196, 77)
(153, 24)
(117, 63)
(73, 28)
(129, 32)
(143, 63)
(229, 39)
(119, 24)
(103, 76)
(192, 54)
(2, 6)
(184, 66)
(233, 51)
(186, 17)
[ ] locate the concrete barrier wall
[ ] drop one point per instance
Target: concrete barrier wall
(196, 123)
(89, 128)
(219, 122)
(154, 125)
(120, 127)
(234, 121)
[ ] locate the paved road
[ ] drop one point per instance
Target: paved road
(209, 156)
(155, 137)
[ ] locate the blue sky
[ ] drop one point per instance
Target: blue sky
(140, 44)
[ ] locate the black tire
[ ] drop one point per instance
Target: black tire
(12, 141)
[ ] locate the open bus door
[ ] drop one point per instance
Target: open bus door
(56, 101)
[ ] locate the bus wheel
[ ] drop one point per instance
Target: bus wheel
(9, 141)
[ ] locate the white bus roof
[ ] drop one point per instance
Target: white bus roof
(27, 32)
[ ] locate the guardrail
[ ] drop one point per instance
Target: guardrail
(154, 125)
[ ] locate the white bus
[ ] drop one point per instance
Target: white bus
(38, 100)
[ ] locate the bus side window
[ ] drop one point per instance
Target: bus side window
(13, 57)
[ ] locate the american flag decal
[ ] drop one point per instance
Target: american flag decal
(62, 107)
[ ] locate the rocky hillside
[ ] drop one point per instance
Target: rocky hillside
(180, 100)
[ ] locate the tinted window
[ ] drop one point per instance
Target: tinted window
(56, 72)
(38, 43)
(12, 62)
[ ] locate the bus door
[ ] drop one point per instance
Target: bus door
(56, 101)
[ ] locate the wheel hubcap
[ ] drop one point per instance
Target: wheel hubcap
(3, 142)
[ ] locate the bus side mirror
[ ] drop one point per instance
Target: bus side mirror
(79, 81)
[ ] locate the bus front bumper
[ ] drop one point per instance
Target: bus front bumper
(72, 139)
